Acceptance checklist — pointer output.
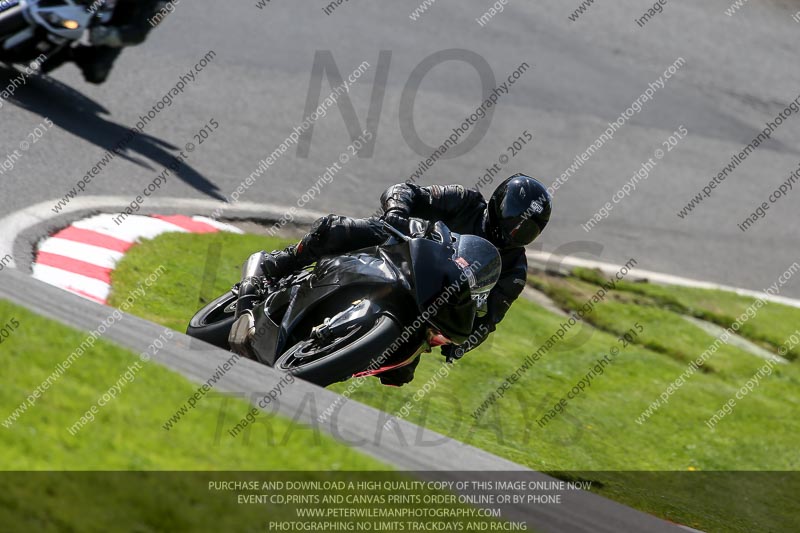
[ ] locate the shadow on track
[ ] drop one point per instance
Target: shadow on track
(78, 114)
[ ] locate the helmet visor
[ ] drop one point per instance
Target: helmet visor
(521, 234)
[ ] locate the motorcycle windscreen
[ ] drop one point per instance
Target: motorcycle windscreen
(481, 258)
(442, 289)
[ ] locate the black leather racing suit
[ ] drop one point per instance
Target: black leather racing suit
(463, 210)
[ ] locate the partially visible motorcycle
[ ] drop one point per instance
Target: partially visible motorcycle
(30, 29)
(358, 314)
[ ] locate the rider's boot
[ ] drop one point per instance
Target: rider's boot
(250, 285)
(281, 263)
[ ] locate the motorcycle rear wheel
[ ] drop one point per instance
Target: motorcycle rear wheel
(213, 322)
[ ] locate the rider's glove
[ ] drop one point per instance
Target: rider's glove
(106, 36)
(398, 220)
(453, 352)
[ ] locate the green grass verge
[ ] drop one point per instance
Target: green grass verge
(770, 327)
(598, 430)
(127, 434)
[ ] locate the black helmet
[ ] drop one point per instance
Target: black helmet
(518, 211)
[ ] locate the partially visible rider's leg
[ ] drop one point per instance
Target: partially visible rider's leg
(281, 263)
(251, 280)
(329, 235)
(96, 62)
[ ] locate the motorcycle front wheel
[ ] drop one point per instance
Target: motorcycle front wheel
(337, 359)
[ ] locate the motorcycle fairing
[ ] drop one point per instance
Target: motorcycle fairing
(4, 6)
(446, 285)
(332, 277)
(355, 267)
(49, 16)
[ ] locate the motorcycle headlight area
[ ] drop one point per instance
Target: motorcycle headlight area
(65, 18)
(56, 20)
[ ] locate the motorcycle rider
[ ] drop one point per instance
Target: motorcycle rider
(517, 212)
(129, 25)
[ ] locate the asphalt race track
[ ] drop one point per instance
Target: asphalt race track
(737, 75)
(264, 70)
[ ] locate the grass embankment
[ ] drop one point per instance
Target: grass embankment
(126, 434)
(597, 433)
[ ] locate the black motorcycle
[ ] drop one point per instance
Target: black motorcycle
(362, 313)
(34, 29)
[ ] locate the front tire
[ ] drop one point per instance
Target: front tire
(355, 356)
(213, 322)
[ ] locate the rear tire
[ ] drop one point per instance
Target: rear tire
(213, 323)
(343, 363)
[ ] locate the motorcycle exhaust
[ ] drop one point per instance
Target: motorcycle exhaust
(241, 334)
